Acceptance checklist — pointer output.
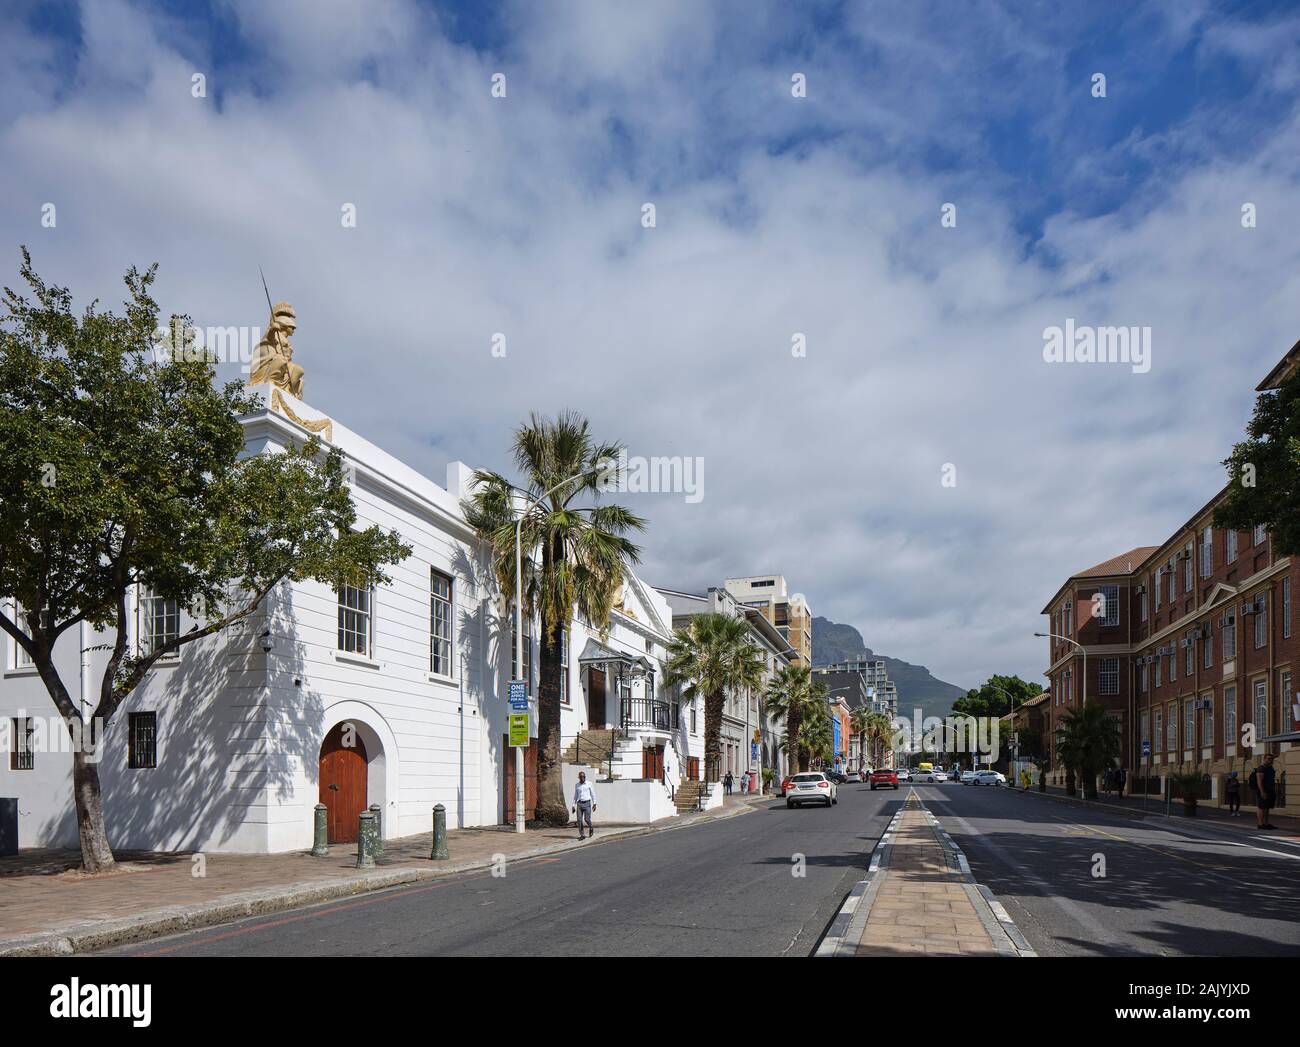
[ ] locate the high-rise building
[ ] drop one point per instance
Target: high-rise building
(788, 612)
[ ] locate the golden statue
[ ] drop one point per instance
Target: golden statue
(273, 357)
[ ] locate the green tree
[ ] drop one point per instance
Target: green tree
(790, 693)
(712, 655)
(585, 556)
(1264, 470)
(122, 468)
(1088, 742)
(990, 700)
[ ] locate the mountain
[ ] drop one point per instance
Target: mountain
(833, 642)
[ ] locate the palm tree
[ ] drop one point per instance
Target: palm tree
(880, 731)
(585, 554)
(816, 733)
(790, 693)
(1088, 742)
(709, 656)
(860, 721)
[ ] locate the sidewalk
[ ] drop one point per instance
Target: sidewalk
(49, 907)
(920, 900)
(1207, 812)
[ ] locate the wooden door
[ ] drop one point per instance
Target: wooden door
(343, 784)
(652, 762)
(595, 699)
(693, 768)
(530, 780)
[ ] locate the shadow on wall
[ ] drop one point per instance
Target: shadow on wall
(225, 751)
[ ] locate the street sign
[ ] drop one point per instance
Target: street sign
(753, 751)
(1146, 748)
(519, 731)
(518, 692)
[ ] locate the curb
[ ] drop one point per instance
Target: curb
(177, 919)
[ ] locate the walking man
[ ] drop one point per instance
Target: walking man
(1263, 780)
(1233, 790)
(584, 802)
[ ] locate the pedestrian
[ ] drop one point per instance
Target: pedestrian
(1262, 781)
(1121, 779)
(584, 804)
(1233, 790)
(726, 783)
(744, 783)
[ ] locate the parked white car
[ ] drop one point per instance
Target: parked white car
(934, 775)
(904, 774)
(990, 778)
(968, 777)
(810, 787)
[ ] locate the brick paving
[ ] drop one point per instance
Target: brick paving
(921, 907)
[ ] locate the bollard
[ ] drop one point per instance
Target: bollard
(320, 841)
(365, 840)
(378, 812)
(440, 852)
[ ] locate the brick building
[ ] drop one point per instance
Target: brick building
(1192, 646)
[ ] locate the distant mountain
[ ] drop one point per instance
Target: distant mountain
(833, 642)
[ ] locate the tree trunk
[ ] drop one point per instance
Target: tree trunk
(1069, 782)
(713, 736)
(551, 806)
(96, 855)
(793, 750)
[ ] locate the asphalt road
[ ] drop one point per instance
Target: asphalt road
(1169, 889)
(728, 888)
(724, 888)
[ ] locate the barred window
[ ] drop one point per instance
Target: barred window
(354, 618)
(159, 622)
(22, 757)
(1109, 676)
(142, 750)
(440, 611)
(1110, 606)
(1230, 716)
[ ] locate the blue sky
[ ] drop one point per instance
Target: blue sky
(776, 215)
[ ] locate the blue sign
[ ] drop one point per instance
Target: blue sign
(1146, 748)
(753, 751)
(518, 694)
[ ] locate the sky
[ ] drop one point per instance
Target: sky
(863, 382)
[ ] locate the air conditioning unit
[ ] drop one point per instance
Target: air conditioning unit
(1141, 590)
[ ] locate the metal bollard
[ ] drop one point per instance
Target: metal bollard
(440, 852)
(378, 812)
(365, 840)
(320, 840)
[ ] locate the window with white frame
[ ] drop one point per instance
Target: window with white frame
(564, 664)
(1159, 670)
(159, 622)
(1171, 727)
(355, 610)
(1142, 679)
(1110, 604)
(18, 657)
(1109, 676)
(1173, 663)
(1261, 709)
(1207, 647)
(1189, 724)
(1188, 581)
(1258, 534)
(1189, 653)
(1230, 716)
(1261, 622)
(1207, 552)
(1207, 719)
(441, 605)
(1229, 635)
(1231, 539)
(1155, 584)
(1144, 728)
(1142, 604)
(22, 754)
(1159, 734)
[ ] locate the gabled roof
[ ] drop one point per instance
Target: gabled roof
(1285, 366)
(1125, 563)
(1038, 699)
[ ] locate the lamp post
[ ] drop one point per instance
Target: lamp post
(1015, 741)
(519, 622)
(1084, 651)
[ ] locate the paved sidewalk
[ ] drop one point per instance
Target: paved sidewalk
(48, 906)
(919, 899)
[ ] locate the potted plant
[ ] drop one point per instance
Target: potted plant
(768, 776)
(1188, 783)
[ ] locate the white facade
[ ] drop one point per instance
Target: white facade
(239, 730)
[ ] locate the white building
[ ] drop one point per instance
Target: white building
(230, 745)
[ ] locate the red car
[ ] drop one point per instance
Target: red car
(883, 777)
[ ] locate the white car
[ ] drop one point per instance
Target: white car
(934, 775)
(904, 774)
(810, 787)
(990, 778)
(968, 777)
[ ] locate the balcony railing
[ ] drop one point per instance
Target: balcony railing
(647, 712)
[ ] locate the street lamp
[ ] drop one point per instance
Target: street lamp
(519, 622)
(1084, 651)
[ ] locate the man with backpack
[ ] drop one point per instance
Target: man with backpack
(1262, 781)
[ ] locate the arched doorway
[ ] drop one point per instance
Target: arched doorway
(343, 772)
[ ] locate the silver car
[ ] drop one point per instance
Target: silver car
(904, 774)
(810, 787)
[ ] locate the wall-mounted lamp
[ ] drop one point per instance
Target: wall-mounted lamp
(268, 644)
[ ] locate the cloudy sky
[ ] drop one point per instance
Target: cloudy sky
(775, 216)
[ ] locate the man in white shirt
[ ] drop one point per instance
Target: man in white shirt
(584, 802)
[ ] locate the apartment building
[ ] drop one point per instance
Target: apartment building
(770, 595)
(1192, 645)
